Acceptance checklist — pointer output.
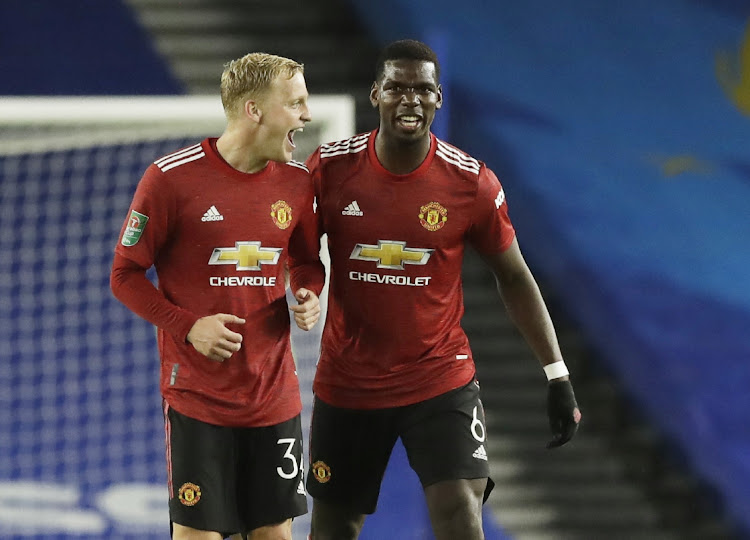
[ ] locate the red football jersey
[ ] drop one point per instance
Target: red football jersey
(219, 240)
(393, 335)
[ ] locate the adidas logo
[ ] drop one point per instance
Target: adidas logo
(352, 209)
(480, 453)
(301, 488)
(212, 214)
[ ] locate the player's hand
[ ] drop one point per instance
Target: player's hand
(307, 310)
(211, 337)
(562, 411)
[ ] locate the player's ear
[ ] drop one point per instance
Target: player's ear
(252, 110)
(439, 102)
(374, 94)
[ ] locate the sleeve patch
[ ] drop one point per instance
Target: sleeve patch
(134, 229)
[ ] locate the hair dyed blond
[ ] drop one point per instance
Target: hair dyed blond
(251, 76)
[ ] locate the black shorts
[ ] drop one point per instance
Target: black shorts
(233, 480)
(444, 438)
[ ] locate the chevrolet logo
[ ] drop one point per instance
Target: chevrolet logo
(246, 255)
(391, 254)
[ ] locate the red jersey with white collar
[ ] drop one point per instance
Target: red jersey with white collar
(220, 240)
(393, 335)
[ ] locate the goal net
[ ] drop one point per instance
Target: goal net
(81, 436)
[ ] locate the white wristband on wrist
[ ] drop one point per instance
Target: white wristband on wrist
(555, 370)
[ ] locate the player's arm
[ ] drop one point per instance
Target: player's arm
(494, 237)
(145, 231)
(208, 335)
(525, 304)
(526, 307)
(131, 287)
(306, 271)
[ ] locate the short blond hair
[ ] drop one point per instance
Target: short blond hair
(251, 76)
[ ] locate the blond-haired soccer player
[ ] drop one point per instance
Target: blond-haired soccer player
(220, 220)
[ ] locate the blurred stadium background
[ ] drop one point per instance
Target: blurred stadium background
(621, 132)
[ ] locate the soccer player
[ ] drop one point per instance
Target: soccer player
(400, 207)
(220, 221)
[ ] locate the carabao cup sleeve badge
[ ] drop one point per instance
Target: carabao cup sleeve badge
(134, 228)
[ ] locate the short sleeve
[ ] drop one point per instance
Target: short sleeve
(491, 230)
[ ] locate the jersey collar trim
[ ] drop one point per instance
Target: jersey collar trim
(408, 176)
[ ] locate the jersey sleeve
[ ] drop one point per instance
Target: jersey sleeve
(131, 287)
(147, 224)
(144, 233)
(314, 165)
(313, 161)
(491, 230)
(305, 268)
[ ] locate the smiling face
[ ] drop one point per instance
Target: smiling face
(283, 110)
(407, 96)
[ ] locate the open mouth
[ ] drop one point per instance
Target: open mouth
(290, 136)
(409, 122)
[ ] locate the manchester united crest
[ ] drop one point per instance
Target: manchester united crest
(189, 494)
(432, 216)
(321, 472)
(281, 213)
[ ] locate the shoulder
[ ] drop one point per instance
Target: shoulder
(168, 171)
(294, 174)
(296, 165)
(346, 154)
(457, 160)
(346, 147)
(180, 158)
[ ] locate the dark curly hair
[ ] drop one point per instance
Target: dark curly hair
(406, 49)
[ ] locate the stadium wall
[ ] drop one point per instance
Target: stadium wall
(81, 47)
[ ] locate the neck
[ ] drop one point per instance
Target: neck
(399, 156)
(239, 152)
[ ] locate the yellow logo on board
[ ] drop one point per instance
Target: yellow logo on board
(733, 73)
